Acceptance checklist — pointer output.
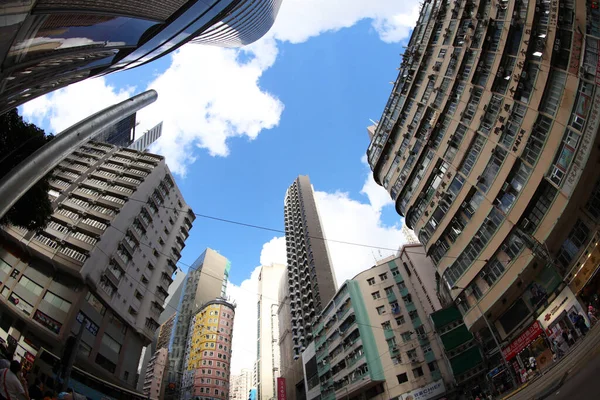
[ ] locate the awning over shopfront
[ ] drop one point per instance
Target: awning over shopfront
(523, 340)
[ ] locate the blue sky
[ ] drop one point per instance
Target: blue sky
(239, 126)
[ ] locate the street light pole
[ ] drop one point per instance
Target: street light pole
(506, 365)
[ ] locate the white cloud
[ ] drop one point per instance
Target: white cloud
(244, 325)
(63, 108)
(273, 252)
(298, 20)
(208, 95)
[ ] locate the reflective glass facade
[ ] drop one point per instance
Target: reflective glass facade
(53, 43)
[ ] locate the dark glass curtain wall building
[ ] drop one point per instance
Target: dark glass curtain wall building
(49, 44)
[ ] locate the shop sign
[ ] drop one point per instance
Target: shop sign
(281, 393)
(522, 341)
(564, 301)
(89, 325)
(47, 322)
(29, 357)
(432, 390)
(585, 147)
(576, 53)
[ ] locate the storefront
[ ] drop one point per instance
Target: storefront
(531, 343)
(559, 318)
(585, 282)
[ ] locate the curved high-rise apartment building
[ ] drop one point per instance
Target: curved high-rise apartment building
(308, 283)
(489, 146)
(48, 44)
(208, 352)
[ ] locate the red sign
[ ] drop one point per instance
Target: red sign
(523, 341)
(281, 394)
(29, 357)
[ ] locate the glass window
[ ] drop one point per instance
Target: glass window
(376, 295)
(383, 276)
(5, 267)
(57, 301)
(380, 310)
(31, 285)
(95, 303)
(418, 372)
(111, 343)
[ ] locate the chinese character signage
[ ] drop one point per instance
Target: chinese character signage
(281, 393)
(430, 391)
(523, 340)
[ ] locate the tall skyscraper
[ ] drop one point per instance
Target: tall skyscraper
(42, 51)
(308, 284)
(268, 331)
(240, 385)
(488, 145)
(107, 258)
(207, 362)
(206, 280)
(150, 136)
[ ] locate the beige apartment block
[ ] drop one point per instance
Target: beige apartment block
(489, 148)
(375, 340)
(106, 259)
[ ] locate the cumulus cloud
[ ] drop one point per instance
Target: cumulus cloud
(208, 95)
(273, 252)
(244, 325)
(62, 108)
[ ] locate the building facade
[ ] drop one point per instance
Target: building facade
(120, 134)
(487, 145)
(240, 385)
(148, 138)
(55, 43)
(155, 373)
(375, 339)
(105, 259)
(267, 346)
(208, 352)
(206, 280)
(308, 284)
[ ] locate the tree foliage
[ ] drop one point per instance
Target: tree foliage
(18, 140)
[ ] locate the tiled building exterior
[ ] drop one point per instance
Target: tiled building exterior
(107, 257)
(208, 352)
(488, 146)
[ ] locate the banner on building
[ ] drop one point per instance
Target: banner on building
(430, 391)
(281, 393)
(523, 340)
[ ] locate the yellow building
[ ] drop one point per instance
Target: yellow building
(208, 352)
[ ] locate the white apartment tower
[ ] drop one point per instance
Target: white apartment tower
(240, 385)
(267, 363)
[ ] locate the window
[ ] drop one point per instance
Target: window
(400, 320)
(442, 53)
(105, 363)
(411, 354)
(395, 272)
(383, 276)
(418, 372)
(433, 366)
(571, 246)
(402, 378)
(406, 336)
(413, 315)
(381, 310)
(391, 342)
(95, 303)
(376, 295)
(5, 267)
(386, 325)
(389, 290)
(31, 285)
(57, 301)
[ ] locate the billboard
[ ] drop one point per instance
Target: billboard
(281, 393)
(432, 390)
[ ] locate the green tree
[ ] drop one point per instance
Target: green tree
(18, 140)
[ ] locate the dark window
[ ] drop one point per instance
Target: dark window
(417, 372)
(402, 378)
(105, 363)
